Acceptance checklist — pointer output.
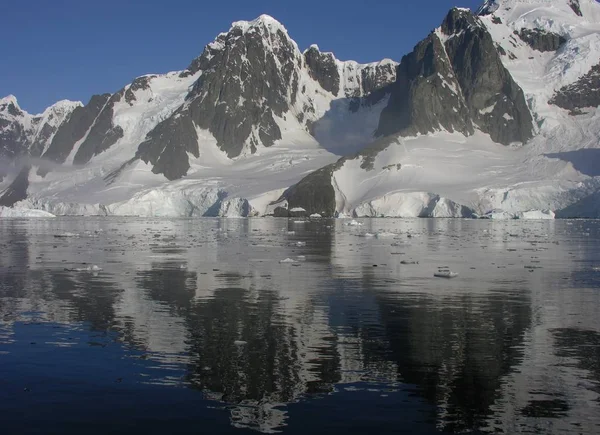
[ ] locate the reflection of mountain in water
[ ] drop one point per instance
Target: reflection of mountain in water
(256, 335)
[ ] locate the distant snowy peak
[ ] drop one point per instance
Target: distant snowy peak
(22, 133)
(9, 108)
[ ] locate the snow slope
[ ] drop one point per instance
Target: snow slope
(449, 175)
(438, 175)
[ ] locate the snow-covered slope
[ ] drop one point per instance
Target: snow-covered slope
(248, 118)
(545, 46)
(489, 113)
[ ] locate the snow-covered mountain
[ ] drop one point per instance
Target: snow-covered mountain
(491, 111)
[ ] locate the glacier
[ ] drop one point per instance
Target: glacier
(442, 174)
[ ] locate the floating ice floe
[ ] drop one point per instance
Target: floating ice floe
(445, 274)
(93, 268)
(300, 244)
(287, 261)
(384, 234)
(354, 223)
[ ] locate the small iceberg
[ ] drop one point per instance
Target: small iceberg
(445, 274)
(287, 261)
(354, 223)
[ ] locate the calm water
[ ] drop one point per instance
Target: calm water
(194, 326)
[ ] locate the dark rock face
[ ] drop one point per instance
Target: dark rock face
(13, 137)
(314, 193)
(496, 103)
(103, 133)
(541, 40)
(17, 191)
(249, 77)
(46, 132)
(488, 7)
(138, 84)
(574, 4)
(376, 77)
(457, 85)
(167, 145)
(74, 129)
(585, 92)
(244, 86)
(323, 69)
(426, 95)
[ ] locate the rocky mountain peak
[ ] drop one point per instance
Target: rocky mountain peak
(454, 80)
(9, 106)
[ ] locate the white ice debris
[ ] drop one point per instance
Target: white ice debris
(354, 223)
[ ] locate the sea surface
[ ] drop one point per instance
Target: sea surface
(123, 325)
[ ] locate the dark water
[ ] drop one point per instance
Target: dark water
(194, 326)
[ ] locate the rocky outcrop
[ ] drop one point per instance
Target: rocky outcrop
(74, 129)
(17, 191)
(347, 78)
(426, 95)
(314, 193)
(541, 40)
(249, 77)
(102, 134)
(574, 4)
(455, 80)
(585, 92)
(323, 68)
(13, 135)
(496, 103)
(23, 135)
(139, 84)
(488, 7)
(167, 145)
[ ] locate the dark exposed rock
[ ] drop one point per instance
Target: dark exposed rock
(46, 132)
(102, 135)
(541, 40)
(426, 95)
(167, 145)
(249, 78)
(585, 92)
(17, 191)
(495, 101)
(74, 129)
(488, 7)
(140, 83)
(375, 77)
(322, 68)
(314, 193)
(576, 7)
(496, 20)
(456, 85)
(281, 212)
(13, 142)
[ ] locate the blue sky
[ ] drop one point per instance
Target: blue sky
(71, 49)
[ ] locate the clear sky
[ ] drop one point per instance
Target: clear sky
(71, 49)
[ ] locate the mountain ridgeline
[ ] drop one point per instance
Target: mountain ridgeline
(253, 88)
